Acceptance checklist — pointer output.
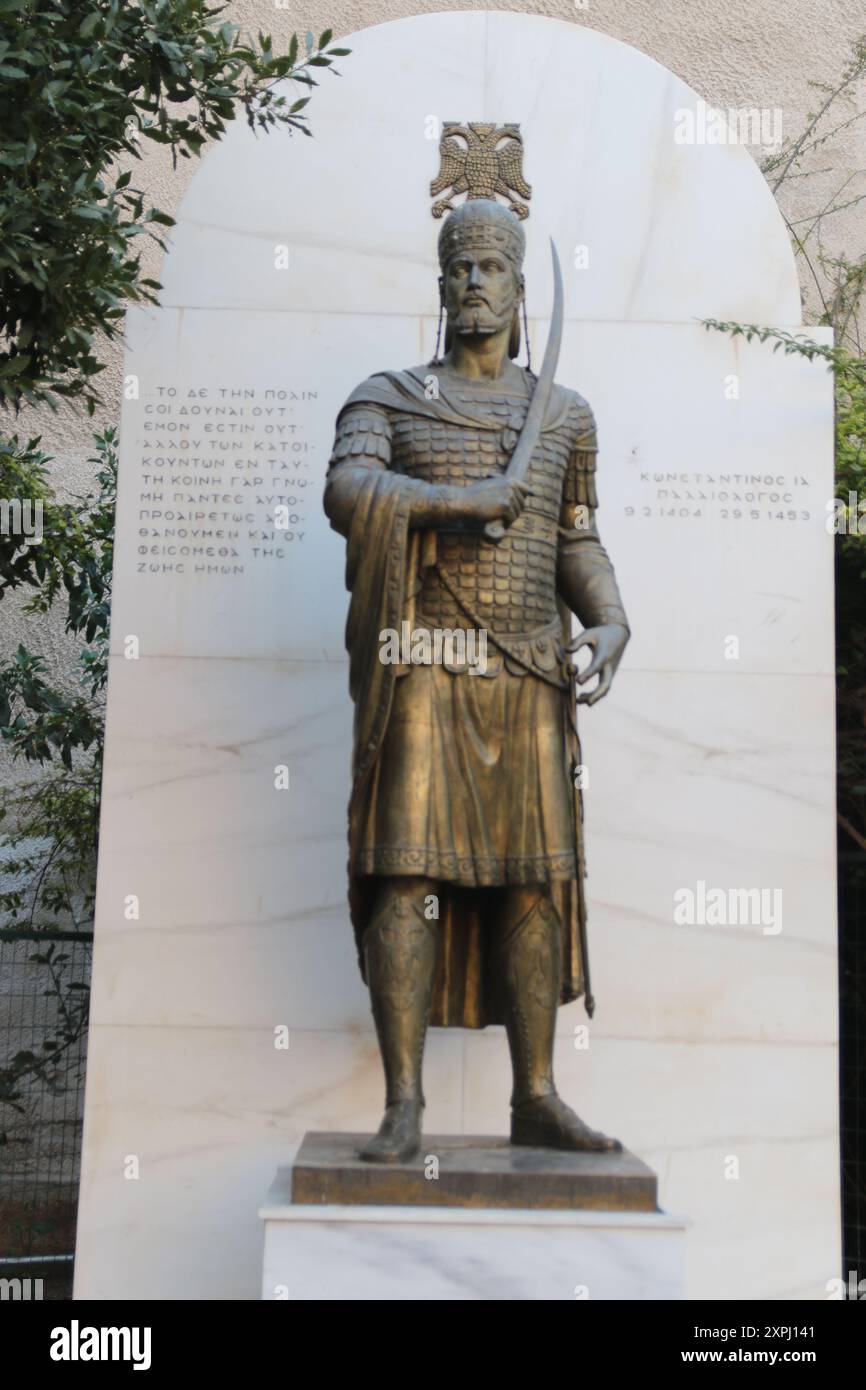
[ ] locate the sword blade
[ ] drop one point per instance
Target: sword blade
(518, 464)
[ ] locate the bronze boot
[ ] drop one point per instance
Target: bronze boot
(530, 971)
(400, 947)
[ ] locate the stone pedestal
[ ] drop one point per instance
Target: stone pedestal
(469, 1218)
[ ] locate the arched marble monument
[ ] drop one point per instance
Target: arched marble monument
(228, 1016)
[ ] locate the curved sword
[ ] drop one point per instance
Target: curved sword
(518, 464)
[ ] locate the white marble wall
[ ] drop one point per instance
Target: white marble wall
(710, 1042)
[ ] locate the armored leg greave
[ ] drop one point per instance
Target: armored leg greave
(400, 954)
(400, 951)
(529, 975)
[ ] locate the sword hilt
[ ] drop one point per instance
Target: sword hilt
(494, 531)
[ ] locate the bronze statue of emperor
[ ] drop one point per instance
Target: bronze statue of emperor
(466, 861)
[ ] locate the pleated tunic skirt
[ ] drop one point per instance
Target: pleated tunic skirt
(472, 785)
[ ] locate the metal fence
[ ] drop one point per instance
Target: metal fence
(44, 987)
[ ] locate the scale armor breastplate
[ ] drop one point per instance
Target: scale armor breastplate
(510, 586)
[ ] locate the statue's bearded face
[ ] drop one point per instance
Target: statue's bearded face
(481, 291)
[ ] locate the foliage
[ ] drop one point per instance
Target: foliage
(50, 1064)
(51, 823)
(835, 283)
(82, 84)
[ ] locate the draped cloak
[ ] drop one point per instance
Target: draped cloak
(379, 562)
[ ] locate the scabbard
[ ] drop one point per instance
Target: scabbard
(576, 762)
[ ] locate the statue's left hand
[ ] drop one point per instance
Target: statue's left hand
(608, 643)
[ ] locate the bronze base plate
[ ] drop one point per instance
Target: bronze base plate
(473, 1171)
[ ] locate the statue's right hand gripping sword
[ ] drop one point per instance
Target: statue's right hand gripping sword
(518, 464)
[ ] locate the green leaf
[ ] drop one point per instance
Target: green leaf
(14, 366)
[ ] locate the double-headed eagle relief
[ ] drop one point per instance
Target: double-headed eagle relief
(490, 163)
(465, 489)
